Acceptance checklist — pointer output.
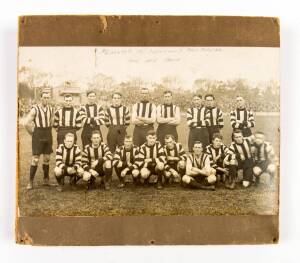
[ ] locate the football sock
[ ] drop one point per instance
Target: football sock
(33, 169)
(46, 170)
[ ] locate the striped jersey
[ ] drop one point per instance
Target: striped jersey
(263, 152)
(216, 154)
(67, 117)
(91, 154)
(177, 151)
(43, 116)
(241, 151)
(117, 116)
(168, 111)
(89, 112)
(144, 109)
(216, 117)
(239, 116)
(197, 161)
(154, 152)
(68, 157)
(127, 157)
(198, 117)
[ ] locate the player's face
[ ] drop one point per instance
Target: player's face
(128, 144)
(259, 139)
(238, 138)
(144, 94)
(167, 98)
(96, 139)
(197, 101)
(240, 102)
(68, 101)
(169, 143)
(217, 143)
(198, 148)
(210, 102)
(91, 98)
(69, 141)
(151, 139)
(116, 100)
(45, 99)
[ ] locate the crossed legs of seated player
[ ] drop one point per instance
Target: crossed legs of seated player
(264, 167)
(71, 171)
(152, 168)
(34, 166)
(101, 169)
(174, 171)
(122, 170)
(200, 179)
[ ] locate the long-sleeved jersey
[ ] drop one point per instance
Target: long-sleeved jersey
(118, 116)
(129, 158)
(67, 118)
(198, 117)
(200, 162)
(241, 151)
(155, 153)
(68, 157)
(242, 118)
(216, 117)
(216, 154)
(89, 113)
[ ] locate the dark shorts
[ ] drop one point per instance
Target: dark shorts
(86, 134)
(212, 130)
(163, 130)
(42, 141)
(140, 132)
(115, 136)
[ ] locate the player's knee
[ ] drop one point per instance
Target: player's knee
(167, 174)
(257, 170)
(186, 179)
(86, 176)
(35, 160)
(213, 171)
(211, 179)
(58, 171)
(135, 173)
(46, 159)
(233, 162)
(145, 173)
(181, 164)
(123, 173)
(160, 166)
(271, 168)
(107, 165)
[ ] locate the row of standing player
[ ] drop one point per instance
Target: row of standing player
(202, 121)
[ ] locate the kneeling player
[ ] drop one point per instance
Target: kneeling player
(264, 158)
(68, 161)
(239, 157)
(124, 161)
(175, 159)
(97, 161)
(217, 152)
(151, 159)
(199, 173)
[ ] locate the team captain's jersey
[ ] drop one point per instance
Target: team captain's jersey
(238, 116)
(90, 112)
(168, 111)
(155, 153)
(198, 117)
(203, 161)
(117, 116)
(216, 117)
(263, 152)
(241, 151)
(144, 109)
(216, 154)
(43, 116)
(91, 154)
(67, 117)
(68, 157)
(127, 157)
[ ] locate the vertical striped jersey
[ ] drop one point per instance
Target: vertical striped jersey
(216, 154)
(91, 154)
(177, 151)
(197, 161)
(216, 117)
(68, 157)
(198, 117)
(168, 111)
(117, 116)
(67, 117)
(144, 109)
(89, 112)
(240, 116)
(126, 157)
(263, 152)
(241, 151)
(43, 116)
(155, 153)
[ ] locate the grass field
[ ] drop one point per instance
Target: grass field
(172, 200)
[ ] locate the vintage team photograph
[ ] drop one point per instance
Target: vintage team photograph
(120, 131)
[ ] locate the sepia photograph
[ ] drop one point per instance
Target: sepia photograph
(148, 131)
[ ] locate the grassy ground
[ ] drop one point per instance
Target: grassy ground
(172, 200)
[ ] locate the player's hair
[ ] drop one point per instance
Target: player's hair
(44, 92)
(69, 134)
(96, 132)
(68, 95)
(235, 131)
(217, 135)
(168, 92)
(90, 91)
(197, 95)
(151, 132)
(209, 95)
(116, 93)
(128, 137)
(198, 142)
(168, 136)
